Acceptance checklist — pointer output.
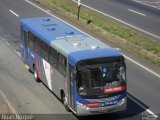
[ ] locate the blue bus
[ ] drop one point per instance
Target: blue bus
(86, 74)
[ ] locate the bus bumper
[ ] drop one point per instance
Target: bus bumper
(84, 111)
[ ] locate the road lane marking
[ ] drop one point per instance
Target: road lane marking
(7, 43)
(8, 103)
(142, 106)
(118, 49)
(137, 28)
(17, 53)
(136, 12)
(142, 66)
(135, 62)
(146, 4)
(152, 2)
(14, 13)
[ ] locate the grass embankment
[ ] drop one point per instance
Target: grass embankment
(108, 29)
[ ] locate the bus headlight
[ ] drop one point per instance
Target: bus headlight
(122, 101)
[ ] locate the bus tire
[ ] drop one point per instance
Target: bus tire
(35, 74)
(64, 102)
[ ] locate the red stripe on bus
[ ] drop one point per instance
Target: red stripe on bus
(93, 105)
(65, 84)
(38, 69)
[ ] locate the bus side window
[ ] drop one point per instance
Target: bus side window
(25, 38)
(37, 45)
(44, 51)
(53, 57)
(62, 64)
(31, 40)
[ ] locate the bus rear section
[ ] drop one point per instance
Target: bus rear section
(99, 83)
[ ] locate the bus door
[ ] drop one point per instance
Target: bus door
(71, 88)
(24, 45)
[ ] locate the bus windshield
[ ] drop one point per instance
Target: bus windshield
(101, 80)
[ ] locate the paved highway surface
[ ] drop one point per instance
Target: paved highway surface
(24, 95)
(129, 12)
(151, 3)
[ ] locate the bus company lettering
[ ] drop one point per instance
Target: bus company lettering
(114, 89)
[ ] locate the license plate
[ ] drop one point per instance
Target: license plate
(103, 111)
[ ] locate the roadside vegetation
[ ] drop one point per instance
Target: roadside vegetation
(108, 29)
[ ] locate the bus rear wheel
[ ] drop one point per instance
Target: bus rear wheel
(36, 75)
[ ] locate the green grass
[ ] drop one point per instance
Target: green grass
(107, 28)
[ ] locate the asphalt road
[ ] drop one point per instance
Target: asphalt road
(27, 96)
(139, 16)
(151, 3)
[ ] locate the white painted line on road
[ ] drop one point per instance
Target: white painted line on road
(147, 69)
(7, 43)
(121, 21)
(18, 53)
(155, 2)
(8, 103)
(146, 4)
(118, 49)
(14, 13)
(136, 12)
(142, 66)
(142, 106)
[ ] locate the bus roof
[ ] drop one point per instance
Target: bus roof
(77, 43)
(49, 28)
(67, 40)
(83, 47)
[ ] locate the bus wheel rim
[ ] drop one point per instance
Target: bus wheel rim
(35, 74)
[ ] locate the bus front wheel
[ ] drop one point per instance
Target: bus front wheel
(64, 101)
(36, 75)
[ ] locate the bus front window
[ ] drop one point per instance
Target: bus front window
(97, 80)
(89, 81)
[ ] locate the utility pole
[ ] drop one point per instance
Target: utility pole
(79, 6)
